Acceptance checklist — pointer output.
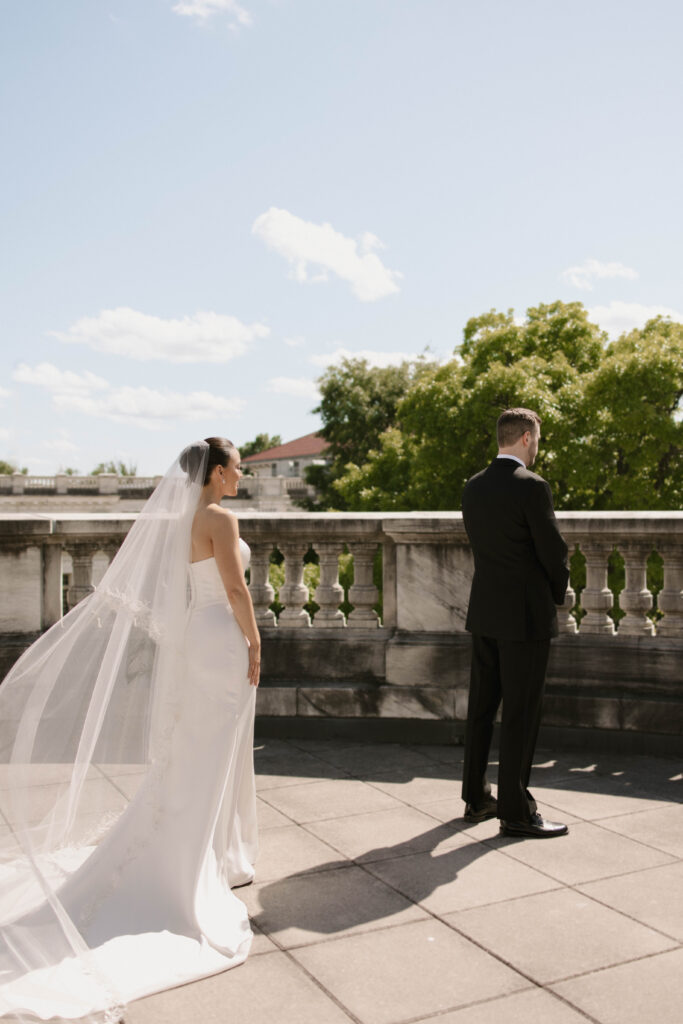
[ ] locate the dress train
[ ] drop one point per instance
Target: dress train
(153, 901)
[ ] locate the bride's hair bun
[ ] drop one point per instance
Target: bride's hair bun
(192, 457)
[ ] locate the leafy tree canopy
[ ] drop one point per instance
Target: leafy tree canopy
(612, 434)
(260, 444)
(9, 467)
(114, 466)
(358, 404)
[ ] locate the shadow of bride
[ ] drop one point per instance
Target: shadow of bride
(382, 883)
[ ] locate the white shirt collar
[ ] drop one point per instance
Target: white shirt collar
(515, 457)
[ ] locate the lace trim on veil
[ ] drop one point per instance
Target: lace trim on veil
(140, 611)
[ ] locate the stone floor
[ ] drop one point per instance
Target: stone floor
(376, 903)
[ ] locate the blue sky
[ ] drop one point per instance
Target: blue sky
(205, 202)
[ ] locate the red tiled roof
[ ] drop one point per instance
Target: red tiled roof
(310, 444)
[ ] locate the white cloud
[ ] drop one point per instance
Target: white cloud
(202, 10)
(5, 434)
(202, 338)
(149, 408)
(373, 358)
(66, 382)
(297, 387)
(618, 317)
(145, 407)
(60, 445)
(302, 243)
(582, 276)
(4, 393)
(296, 342)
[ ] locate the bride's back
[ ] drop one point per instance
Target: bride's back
(202, 543)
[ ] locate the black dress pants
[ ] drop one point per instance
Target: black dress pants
(514, 672)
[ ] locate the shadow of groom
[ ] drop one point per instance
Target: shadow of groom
(384, 882)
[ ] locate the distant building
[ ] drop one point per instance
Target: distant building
(291, 459)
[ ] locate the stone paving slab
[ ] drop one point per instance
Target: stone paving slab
(402, 830)
(451, 753)
(531, 1006)
(634, 993)
(269, 818)
(291, 851)
(374, 762)
(38, 800)
(128, 783)
(264, 990)
(469, 875)
(661, 827)
(314, 801)
(653, 897)
(592, 853)
(398, 974)
(594, 799)
(308, 908)
(41, 774)
(261, 943)
(292, 769)
(418, 790)
(554, 935)
(376, 903)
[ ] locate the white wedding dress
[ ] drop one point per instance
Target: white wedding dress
(153, 901)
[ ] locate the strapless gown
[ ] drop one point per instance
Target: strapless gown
(153, 901)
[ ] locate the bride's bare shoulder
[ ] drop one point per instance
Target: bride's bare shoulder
(220, 519)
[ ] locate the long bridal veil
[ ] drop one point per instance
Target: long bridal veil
(98, 691)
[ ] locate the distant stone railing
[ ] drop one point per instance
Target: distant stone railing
(413, 662)
(273, 493)
(66, 483)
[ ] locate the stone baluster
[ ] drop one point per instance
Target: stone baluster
(18, 483)
(51, 604)
(262, 593)
(111, 548)
(293, 592)
(81, 560)
(670, 597)
(597, 598)
(566, 621)
(363, 594)
(389, 584)
(635, 599)
(329, 593)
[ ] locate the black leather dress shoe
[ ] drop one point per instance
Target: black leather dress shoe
(489, 809)
(536, 828)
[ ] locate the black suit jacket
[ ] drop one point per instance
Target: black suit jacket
(520, 558)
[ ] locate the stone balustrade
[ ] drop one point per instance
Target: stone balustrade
(66, 483)
(21, 492)
(618, 672)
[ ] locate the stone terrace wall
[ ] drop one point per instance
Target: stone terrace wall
(411, 668)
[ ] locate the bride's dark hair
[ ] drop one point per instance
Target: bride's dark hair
(220, 450)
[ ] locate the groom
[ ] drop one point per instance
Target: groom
(520, 575)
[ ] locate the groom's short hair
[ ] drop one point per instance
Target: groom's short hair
(513, 423)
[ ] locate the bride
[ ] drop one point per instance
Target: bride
(148, 682)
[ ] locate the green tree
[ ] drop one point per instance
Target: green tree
(9, 467)
(261, 443)
(358, 404)
(612, 433)
(634, 442)
(115, 466)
